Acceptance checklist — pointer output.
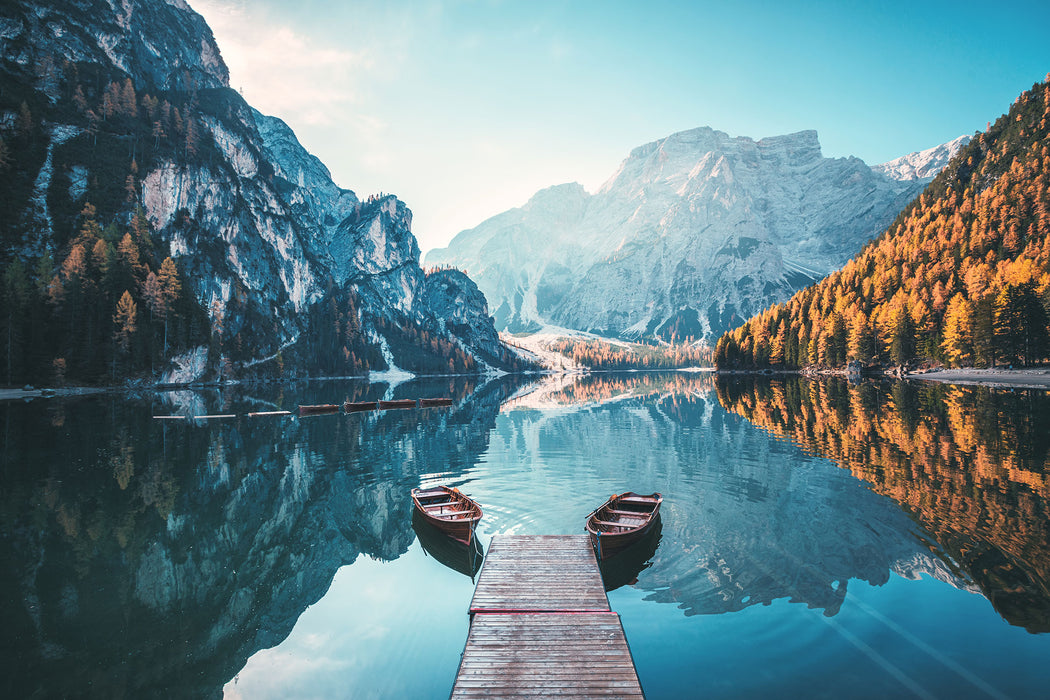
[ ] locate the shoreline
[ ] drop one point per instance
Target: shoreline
(1038, 378)
(997, 378)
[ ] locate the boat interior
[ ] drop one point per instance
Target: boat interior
(439, 503)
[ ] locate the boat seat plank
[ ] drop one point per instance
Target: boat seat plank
(460, 514)
(612, 523)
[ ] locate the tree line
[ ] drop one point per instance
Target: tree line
(602, 355)
(962, 276)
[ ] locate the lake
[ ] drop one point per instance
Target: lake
(818, 539)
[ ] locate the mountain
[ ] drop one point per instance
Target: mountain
(922, 164)
(275, 270)
(692, 234)
(961, 277)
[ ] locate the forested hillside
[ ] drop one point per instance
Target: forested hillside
(154, 227)
(961, 277)
(108, 300)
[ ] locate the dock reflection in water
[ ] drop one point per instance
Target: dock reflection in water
(456, 555)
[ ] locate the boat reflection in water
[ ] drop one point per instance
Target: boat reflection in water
(623, 567)
(456, 555)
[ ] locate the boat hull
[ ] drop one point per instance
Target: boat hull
(355, 406)
(449, 551)
(622, 521)
(318, 409)
(400, 403)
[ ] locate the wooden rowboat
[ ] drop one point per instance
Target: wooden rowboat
(318, 409)
(622, 520)
(353, 406)
(448, 510)
(429, 403)
(400, 403)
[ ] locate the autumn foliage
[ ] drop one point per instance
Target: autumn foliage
(962, 276)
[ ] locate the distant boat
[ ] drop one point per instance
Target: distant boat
(428, 403)
(456, 555)
(353, 406)
(318, 409)
(448, 510)
(400, 403)
(622, 520)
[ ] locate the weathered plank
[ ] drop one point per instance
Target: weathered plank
(582, 655)
(548, 573)
(541, 625)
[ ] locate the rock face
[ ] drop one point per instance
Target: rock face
(692, 234)
(254, 221)
(455, 299)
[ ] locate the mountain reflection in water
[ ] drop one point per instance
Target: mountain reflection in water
(745, 521)
(147, 558)
(152, 558)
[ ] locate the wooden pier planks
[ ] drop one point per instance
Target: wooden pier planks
(547, 572)
(541, 625)
(547, 654)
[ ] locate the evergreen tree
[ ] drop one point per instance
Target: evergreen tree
(902, 339)
(16, 291)
(1020, 323)
(125, 321)
(957, 342)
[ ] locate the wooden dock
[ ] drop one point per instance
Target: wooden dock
(541, 625)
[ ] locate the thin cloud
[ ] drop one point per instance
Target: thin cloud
(282, 72)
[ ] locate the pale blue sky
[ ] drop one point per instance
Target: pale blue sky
(464, 108)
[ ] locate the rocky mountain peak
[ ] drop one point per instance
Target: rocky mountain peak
(691, 231)
(161, 45)
(131, 111)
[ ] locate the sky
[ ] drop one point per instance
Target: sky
(466, 108)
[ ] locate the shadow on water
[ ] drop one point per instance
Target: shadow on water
(623, 568)
(142, 557)
(458, 556)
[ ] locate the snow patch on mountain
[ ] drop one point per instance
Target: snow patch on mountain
(922, 164)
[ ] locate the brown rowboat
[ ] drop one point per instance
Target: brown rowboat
(353, 406)
(622, 520)
(400, 403)
(318, 409)
(448, 510)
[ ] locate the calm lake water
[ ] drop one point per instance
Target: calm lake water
(818, 539)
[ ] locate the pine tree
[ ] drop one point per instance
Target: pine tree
(1020, 323)
(902, 338)
(957, 342)
(16, 290)
(124, 321)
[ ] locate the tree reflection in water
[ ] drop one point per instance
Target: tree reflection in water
(971, 465)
